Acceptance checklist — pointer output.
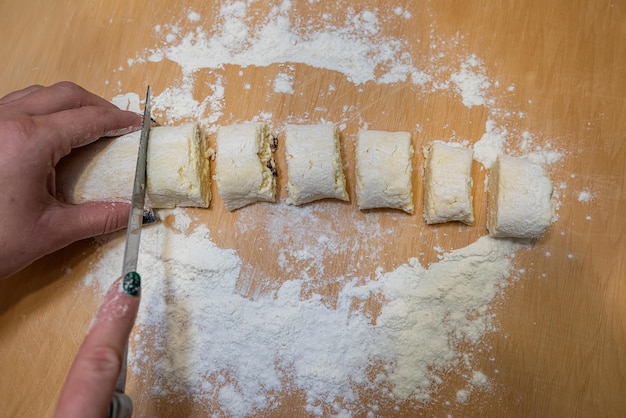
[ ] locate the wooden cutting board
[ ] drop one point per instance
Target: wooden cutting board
(561, 346)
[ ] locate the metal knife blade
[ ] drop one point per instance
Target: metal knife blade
(133, 232)
(135, 220)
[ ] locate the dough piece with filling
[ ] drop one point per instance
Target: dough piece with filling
(244, 167)
(520, 203)
(383, 170)
(447, 183)
(177, 169)
(314, 164)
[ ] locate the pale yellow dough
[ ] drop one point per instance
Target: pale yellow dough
(383, 170)
(447, 183)
(244, 165)
(314, 164)
(520, 199)
(177, 169)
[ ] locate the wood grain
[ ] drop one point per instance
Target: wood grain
(561, 347)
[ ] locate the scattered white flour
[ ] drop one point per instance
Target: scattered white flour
(585, 196)
(128, 101)
(487, 149)
(471, 82)
(462, 396)
(193, 16)
(494, 142)
(479, 379)
(201, 336)
(283, 83)
(355, 47)
(211, 343)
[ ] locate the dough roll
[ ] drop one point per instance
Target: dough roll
(177, 169)
(383, 170)
(314, 164)
(244, 167)
(520, 201)
(447, 184)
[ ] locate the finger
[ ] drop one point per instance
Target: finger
(91, 381)
(77, 127)
(61, 96)
(71, 223)
(16, 95)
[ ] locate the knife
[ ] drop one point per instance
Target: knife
(121, 404)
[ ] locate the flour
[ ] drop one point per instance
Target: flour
(283, 83)
(354, 47)
(471, 82)
(201, 333)
(498, 140)
(491, 144)
(128, 101)
(585, 196)
(211, 343)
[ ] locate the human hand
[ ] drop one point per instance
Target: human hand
(91, 381)
(38, 126)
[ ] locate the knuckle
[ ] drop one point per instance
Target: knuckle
(18, 129)
(67, 85)
(70, 89)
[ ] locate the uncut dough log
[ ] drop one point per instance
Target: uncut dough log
(313, 164)
(520, 203)
(383, 170)
(447, 184)
(244, 167)
(177, 169)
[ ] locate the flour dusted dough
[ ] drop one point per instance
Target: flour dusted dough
(313, 163)
(177, 169)
(383, 170)
(447, 184)
(244, 165)
(520, 201)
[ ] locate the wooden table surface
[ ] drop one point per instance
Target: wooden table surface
(561, 344)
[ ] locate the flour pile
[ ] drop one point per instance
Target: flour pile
(355, 47)
(209, 342)
(205, 340)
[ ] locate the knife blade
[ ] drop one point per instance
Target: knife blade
(133, 232)
(121, 405)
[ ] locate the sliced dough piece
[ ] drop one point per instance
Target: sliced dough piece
(383, 170)
(520, 201)
(313, 164)
(447, 183)
(177, 168)
(244, 167)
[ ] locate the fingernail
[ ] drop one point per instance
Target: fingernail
(119, 132)
(131, 284)
(148, 217)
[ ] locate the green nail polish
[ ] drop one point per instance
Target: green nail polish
(131, 283)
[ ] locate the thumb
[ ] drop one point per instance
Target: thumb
(72, 223)
(91, 381)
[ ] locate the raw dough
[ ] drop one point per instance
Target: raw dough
(447, 183)
(520, 201)
(245, 169)
(383, 170)
(313, 164)
(177, 169)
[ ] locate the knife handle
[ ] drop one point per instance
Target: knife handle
(121, 406)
